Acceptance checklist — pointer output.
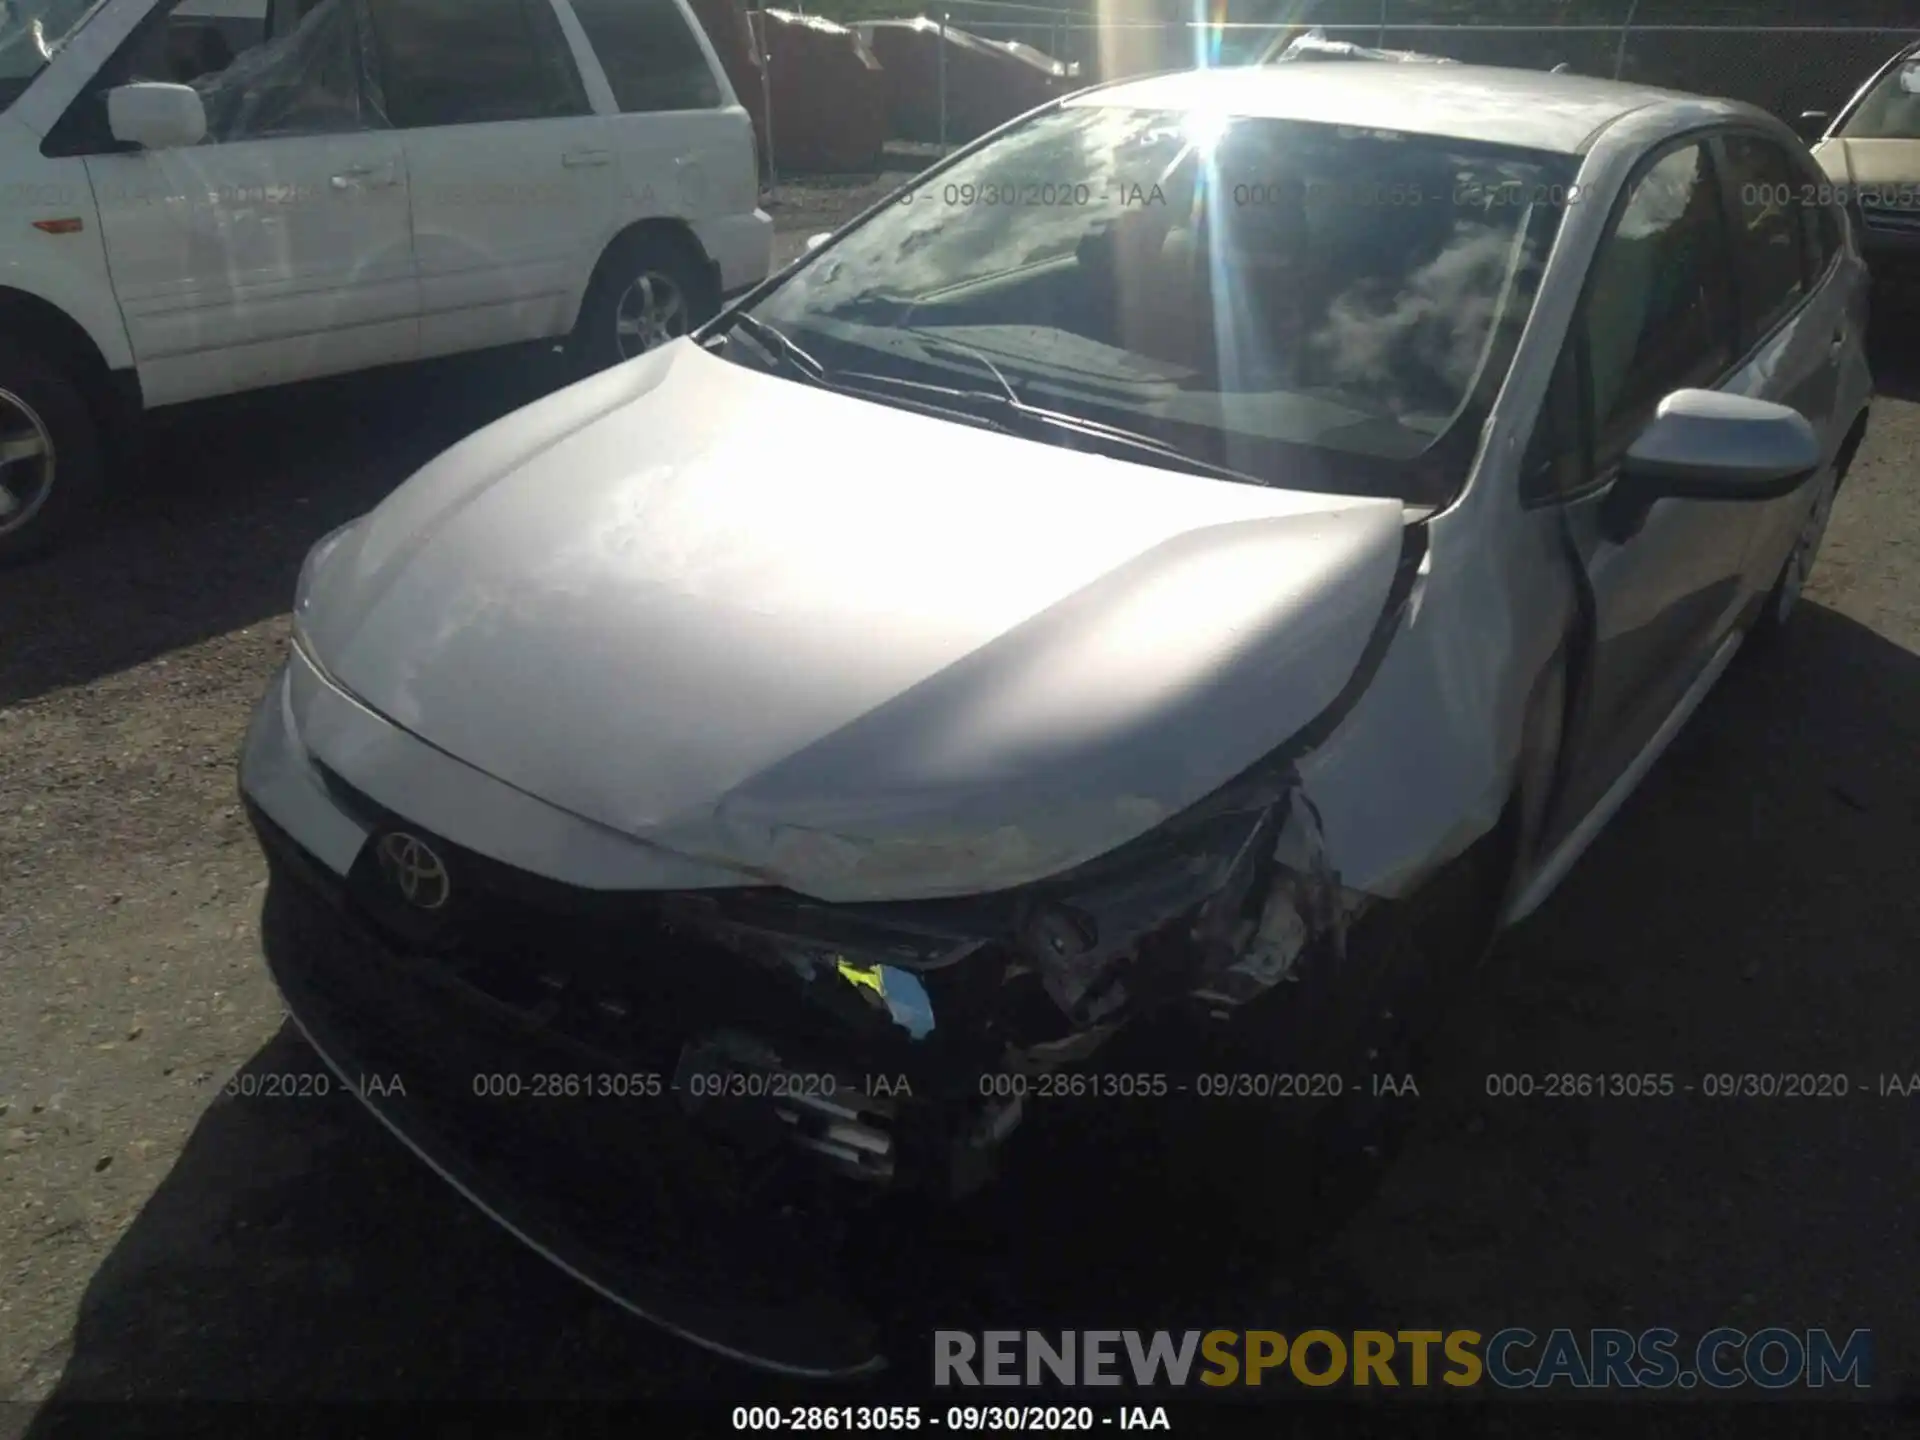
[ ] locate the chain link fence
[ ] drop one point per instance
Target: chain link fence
(1782, 68)
(1692, 45)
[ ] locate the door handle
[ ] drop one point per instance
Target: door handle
(372, 177)
(575, 159)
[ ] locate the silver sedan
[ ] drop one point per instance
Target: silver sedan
(1141, 606)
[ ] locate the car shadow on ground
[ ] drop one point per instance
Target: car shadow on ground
(206, 527)
(1744, 912)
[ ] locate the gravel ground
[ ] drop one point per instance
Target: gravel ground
(1752, 909)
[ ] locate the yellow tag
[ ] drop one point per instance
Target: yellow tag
(856, 975)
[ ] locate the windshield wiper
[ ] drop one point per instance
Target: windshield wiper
(1005, 410)
(1124, 443)
(1000, 409)
(780, 345)
(972, 352)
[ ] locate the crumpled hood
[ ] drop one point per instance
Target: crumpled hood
(836, 646)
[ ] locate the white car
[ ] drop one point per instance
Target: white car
(184, 213)
(1092, 654)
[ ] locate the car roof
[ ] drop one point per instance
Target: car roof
(1532, 109)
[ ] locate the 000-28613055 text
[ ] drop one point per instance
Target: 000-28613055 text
(955, 1419)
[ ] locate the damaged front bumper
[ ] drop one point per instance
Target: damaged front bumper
(688, 1195)
(871, 1038)
(635, 1124)
(574, 1155)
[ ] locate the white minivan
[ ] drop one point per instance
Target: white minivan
(199, 197)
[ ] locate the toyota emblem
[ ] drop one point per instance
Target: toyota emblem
(416, 870)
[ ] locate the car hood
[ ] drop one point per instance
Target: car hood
(836, 646)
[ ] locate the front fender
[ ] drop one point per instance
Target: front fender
(67, 271)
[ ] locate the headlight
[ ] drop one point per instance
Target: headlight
(1221, 905)
(309, 569)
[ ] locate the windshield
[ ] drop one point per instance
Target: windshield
(30, 32)
(1310, 306)
(1892, 110)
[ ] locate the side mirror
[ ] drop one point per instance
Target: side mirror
(814, 242)
(156, 116)
(1812, 124)
(1706, 445)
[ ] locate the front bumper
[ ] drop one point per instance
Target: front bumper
(545, 1056)
(568, 1135)
(593, 1167)
(537, 1043)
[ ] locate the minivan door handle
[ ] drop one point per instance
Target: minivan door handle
(575, 159)
(372, 177)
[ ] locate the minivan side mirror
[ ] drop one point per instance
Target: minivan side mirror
(156, 116)
(1812, 124)
(1708, 445)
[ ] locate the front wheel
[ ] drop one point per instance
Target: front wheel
(647, 291)
(50, 455)
(1791, 583)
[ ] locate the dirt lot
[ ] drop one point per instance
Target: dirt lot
(1754, 909)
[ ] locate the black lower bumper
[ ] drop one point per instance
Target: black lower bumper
(597, 1170)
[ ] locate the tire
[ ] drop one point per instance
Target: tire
(51, 478)
(1783, 599)
(657, 282)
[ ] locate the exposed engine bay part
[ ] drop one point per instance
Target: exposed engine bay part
(1247, 913)
(904, 997)
(1212, 915)
(741, 1086)
(1304, 906)
(1220, 907)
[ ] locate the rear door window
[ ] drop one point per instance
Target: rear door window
(650, 54)
(470, 62)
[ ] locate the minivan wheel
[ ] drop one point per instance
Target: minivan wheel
(50, 461)
(647, 291)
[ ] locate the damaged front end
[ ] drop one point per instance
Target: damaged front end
(1223, 931)
(894, 1043)
(933, 1003)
